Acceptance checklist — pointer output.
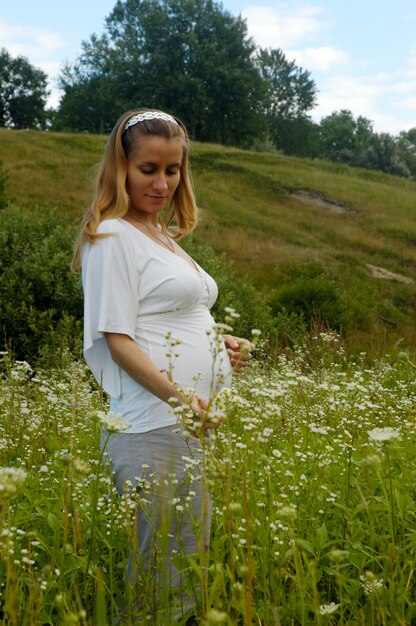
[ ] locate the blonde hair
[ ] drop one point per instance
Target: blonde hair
(111, 199)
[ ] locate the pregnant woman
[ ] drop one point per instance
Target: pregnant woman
(151, 342)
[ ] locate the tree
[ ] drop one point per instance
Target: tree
(382, 154)
(295, 136)
(290, 93)
(189, 57)
(406, 149)
(344, 138)
(91, 100)
(23, 93)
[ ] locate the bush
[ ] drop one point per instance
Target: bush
(310, 292)
(40, 298)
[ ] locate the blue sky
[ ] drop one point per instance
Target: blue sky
(361, 53)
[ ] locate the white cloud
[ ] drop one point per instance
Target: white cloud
(282, 27)
(43, 48)
(31, 42)
(411, 63)
(363, 95)
(321, 59)
(52, 69)
(403, 86)
(343, 82)
(407, 103)
(343, 91)
(391, 124)
(54, 98)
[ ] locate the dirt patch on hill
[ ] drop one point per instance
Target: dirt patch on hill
(380, 272)
(323, 201)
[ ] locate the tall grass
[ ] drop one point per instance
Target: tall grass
(312, 483)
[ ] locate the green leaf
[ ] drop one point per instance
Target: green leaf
(304, 546)
(322, 536)
(54, 521)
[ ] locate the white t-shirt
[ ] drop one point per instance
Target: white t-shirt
(134, 286)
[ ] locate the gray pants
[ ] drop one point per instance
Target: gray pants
(163, 469)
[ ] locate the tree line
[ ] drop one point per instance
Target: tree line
(194, 59)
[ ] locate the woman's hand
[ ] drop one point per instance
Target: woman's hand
(196, 415)
(203, 416)
(239, 352)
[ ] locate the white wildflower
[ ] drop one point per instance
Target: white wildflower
(373, 461)
(112, 422)
(28, 561)
(11, 478)
(221, 328)
(370, 583)
(328, 609)
(82, 466)
(380, 435)
(287, 513)
(320, 430)
(231, 312)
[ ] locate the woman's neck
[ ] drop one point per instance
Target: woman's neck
(147, 220)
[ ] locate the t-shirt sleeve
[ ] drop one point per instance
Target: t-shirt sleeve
(110, 279)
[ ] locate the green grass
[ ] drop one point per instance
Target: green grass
(312, 481)
(249, 212)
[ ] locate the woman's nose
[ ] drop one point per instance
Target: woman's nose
(160, 183)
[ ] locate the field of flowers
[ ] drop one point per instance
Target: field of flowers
(312, 478)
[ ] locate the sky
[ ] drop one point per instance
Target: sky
(360, 53)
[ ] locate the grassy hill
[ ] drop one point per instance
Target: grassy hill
(335, 242)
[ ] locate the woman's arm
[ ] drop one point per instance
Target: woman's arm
(127, 354)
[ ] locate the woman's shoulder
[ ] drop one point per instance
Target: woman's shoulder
(110, 226)
(116, 236)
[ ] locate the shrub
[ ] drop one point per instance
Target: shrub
(40, 298)
(309, 291)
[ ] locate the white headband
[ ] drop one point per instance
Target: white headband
(149, 115)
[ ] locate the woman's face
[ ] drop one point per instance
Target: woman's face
(153, 174)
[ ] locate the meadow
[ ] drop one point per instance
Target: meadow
(312, 475)
(312, 483)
